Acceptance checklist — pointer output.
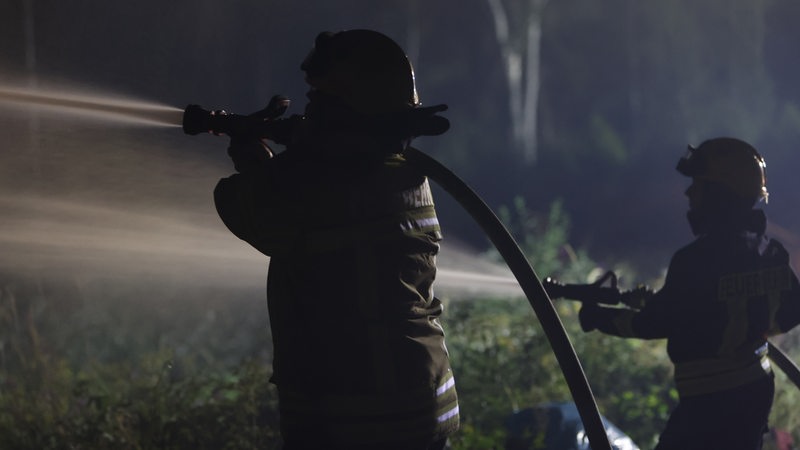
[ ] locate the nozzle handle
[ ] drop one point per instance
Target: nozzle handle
(260, 124)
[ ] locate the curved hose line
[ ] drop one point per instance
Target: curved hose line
(784, 363)
(531, 286)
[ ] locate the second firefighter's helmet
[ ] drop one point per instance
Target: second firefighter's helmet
(732, 163)
(365, 69)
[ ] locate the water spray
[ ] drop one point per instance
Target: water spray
(129, 111)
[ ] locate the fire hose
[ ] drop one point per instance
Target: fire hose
(599, 292)
(264, 124)
(531, 286)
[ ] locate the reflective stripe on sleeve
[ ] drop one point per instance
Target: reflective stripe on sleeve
(371, 404)
(448, 384)
(369, 419)
(446, 396)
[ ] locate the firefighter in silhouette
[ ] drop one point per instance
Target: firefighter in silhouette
(723, 295)
(350, 228)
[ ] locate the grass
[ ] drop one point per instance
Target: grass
(120, 365)
(141, 364)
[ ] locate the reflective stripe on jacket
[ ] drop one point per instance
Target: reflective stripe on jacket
(713, 375)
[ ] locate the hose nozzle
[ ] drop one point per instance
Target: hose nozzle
(197, 120)
(261, 124)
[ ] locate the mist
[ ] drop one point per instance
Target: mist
(92, 93)
(131, 224)
(105, 201)
(619, 95)
(91, 97)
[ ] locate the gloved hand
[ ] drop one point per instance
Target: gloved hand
(589, 316)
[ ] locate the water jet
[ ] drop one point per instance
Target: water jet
(131, 112)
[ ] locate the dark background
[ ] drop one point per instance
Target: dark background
(623, 87)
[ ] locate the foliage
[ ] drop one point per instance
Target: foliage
(785, 414)
(543, 239)
(504, 362)
(71, 381)
(624, 86)
(493, 342)
(122, 407)
(112, 365)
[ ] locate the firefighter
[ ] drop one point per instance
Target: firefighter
(724, 294)
(352, 234)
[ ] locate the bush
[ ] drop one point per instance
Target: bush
(125, 373)
(140, 364)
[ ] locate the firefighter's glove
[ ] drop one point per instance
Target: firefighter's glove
(638, 297)
(589, 316)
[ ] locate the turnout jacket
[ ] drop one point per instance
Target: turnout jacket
(724, 294)
(352, 236)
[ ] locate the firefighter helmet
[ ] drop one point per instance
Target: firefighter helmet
(365, 69)
(732, 163)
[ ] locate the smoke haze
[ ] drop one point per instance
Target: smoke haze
(93, 191)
